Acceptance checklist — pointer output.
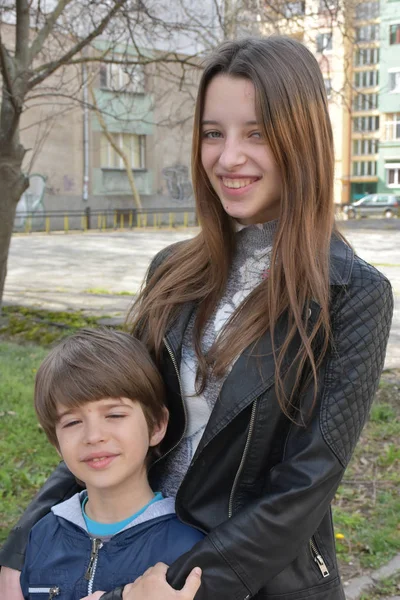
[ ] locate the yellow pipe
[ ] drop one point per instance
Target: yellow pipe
(171, 220)
(145, 220)
(121, 221)
(115, 219)
(47, 224)
(66, 224)
(185, 219)
(130, 219)
(139, 220)
(104, 222)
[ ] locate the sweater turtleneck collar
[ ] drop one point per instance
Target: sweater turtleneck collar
(252, 238)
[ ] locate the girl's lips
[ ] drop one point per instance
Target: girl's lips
(100, 463)
(238, 191)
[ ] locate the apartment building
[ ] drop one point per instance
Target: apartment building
(357, 45)
(388, 167)
(144, 112)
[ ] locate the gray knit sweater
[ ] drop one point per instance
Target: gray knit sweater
(249, 267)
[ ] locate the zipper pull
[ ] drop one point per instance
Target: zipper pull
(321, 565)
(96, 545)
(54, 591)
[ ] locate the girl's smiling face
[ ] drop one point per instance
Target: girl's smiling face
(234, 153)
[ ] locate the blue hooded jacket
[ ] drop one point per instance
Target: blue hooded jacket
(65, 563)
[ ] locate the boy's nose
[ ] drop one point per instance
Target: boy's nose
(94, 433)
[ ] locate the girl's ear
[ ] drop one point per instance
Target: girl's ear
(159, 429)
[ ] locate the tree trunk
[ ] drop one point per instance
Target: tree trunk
(12, 184)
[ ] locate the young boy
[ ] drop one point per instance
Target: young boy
(100, 401)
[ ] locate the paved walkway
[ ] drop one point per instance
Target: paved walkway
(99, 272)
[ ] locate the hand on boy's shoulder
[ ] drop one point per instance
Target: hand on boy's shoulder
(152, 585)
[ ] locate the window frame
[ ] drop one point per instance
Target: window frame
(112, 153)
(396, 34)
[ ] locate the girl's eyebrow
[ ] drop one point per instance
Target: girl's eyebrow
(247, 123)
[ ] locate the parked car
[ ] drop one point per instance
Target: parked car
(374, 205)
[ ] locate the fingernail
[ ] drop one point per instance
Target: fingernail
(197, 570)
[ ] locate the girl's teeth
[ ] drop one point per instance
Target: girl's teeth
(236, 183)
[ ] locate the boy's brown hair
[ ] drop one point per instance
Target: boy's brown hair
(93, 364)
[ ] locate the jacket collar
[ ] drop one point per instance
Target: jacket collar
(341, 261)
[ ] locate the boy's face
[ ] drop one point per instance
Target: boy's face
(105, 443)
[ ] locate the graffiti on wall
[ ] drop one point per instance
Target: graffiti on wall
(178, 183)
(31, 204)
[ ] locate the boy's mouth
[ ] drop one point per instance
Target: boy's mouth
(98, 460)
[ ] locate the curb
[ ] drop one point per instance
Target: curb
(360, 585)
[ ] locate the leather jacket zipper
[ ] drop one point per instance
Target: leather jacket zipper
(317, 557)
(173, 359)
(245, 451)
(91, 570)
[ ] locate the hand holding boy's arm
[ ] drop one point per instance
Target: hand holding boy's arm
(152, 585)
(10, 586)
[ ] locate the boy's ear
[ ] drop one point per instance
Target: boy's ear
(159, 429)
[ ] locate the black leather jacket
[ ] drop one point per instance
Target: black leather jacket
(260, 486)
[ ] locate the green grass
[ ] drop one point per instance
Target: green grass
(367, 506)
(104, 292)
(26, 457)
(42, 327)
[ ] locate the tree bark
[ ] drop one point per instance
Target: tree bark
(13, 184)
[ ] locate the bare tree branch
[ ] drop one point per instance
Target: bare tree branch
(47, 28)
(53, 66)
(117, 149)
(22, 34)
(170, 57)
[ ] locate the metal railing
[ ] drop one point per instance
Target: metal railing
(104, 220)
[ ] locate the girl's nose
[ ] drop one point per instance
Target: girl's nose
(232, 155)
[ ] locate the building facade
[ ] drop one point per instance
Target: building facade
(112, 105)
(388, 167)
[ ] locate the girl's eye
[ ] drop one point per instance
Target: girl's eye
(212, 135)
(256, 134)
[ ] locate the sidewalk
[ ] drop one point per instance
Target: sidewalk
(367, 583)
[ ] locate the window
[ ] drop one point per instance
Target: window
(367, 10)
(392, 127)
(367, 33)
(324, 42)
(392, 174)
(394, 81)
(364, 168)
(394, 34)
(293, 9)
(364, 124)
(366, 79)
(367, 56)
(365, 102)
(365, 147)
(122, 78)
(132, 144)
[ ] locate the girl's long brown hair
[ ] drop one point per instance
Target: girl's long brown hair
(292, 108)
